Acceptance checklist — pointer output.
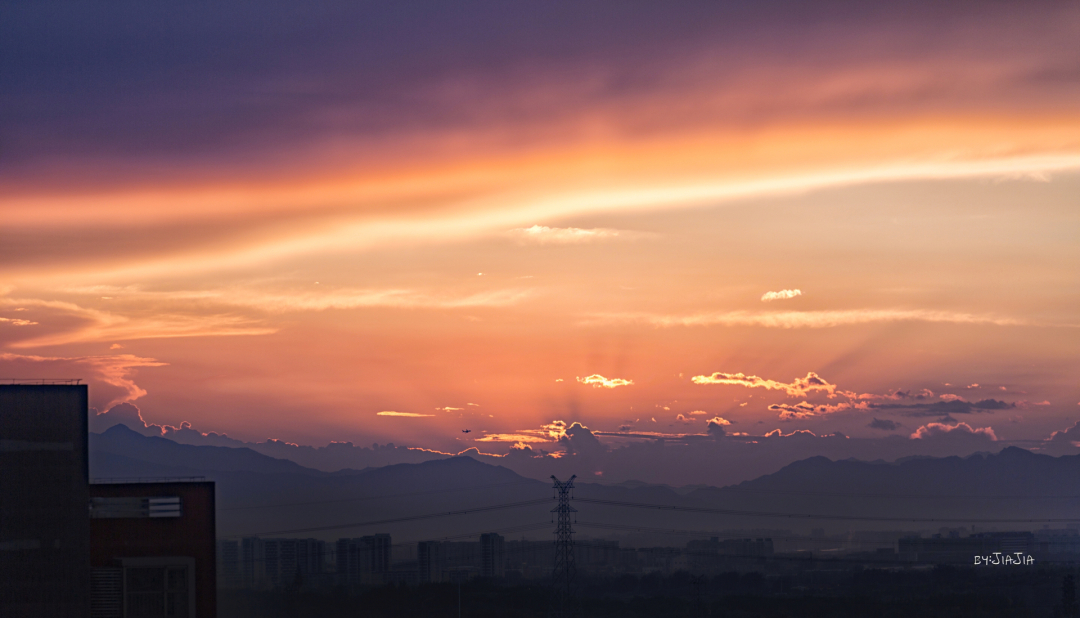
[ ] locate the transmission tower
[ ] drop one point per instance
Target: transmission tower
(563, 575)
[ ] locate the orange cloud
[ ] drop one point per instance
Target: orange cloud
(541, 234)
(280, 302)
(113, 370)
(776, 433)
(937, 429)
(599, 381)
(96, 325)
(781, 295)
(512, 437)
(811, 319)
(805, 409)
(17, 322)
(395, 413)
(797, 388)
(555, 429)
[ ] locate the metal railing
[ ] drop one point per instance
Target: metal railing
(148, 479)
(41, 381)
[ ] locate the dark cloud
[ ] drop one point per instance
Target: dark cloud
(123, 414)
(1072, 434)
(521, 450)
(579, 440)
(1063, 442)
(939, 408)
(992, 404)
(923, 394)
(139, 80)
(715, 427)
(884, 424)
(123, 78)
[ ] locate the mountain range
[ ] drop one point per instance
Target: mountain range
(262, 495)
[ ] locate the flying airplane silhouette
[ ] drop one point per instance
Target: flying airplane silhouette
(466, 431)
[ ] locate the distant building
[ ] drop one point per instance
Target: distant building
(364, 560)
(657, 559)
(532, 559)
(461, 554)
(597, 555)
(252, 563)
(292, 562)
(492, 561)
(152, 550)
(429, 562)
(44, 530)
(1059, 544)
(228, 564)
(956, 550)
(706, 555)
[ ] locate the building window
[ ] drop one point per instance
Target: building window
(134, 507)
(106, 593)
(157, 592)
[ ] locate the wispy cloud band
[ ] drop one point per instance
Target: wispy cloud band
(542, 234)
(808, 319)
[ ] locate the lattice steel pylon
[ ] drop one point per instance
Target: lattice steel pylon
(563, 574)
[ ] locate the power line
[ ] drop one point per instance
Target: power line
(716, 489)
(714, 511)
(394, 520)
(720, 535)
(414, 493)
(675, 508)
(905, 496)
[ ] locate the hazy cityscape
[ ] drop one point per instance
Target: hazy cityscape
(155, 544)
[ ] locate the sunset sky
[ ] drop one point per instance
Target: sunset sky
(390, 222)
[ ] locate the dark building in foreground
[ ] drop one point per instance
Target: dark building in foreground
(44, 531)
(152, 550)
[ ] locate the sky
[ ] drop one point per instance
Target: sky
(638, 239)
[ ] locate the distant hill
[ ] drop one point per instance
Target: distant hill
(1014, 483)
(120, 440)
(261, 494)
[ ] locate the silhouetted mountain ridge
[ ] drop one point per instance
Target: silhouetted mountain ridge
(120, 440)
(1012, 471)
(260, 494)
